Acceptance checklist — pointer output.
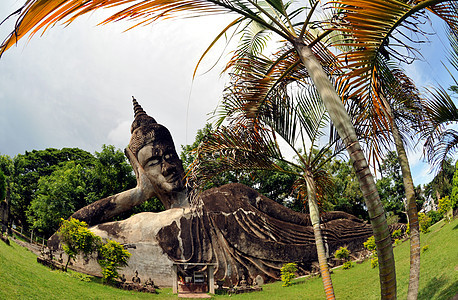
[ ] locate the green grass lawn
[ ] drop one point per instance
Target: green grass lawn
(22, 277)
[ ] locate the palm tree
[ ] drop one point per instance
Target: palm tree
(440, 139)
(376, 32)
(251, 142)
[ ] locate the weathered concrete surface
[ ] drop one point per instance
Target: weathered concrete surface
(138, 233)
(242, 231)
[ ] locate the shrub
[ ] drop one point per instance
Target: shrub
(445, 205)
(113, 256)
(424, 222)
(342, 253)
(374, 262)
(434, 215)
(288, 273)
(347, 265)
(370, 244)
(77, 239)
(396, 234)
(372, 247)
(397, 242)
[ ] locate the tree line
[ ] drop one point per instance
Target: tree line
(47, 185)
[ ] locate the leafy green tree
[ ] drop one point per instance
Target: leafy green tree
(275, 185)
(391, 186)
(111, 174)
(454, 194)
(2, 186)
(441, 185)
(30, 167)
(346, 195)
(77, 239)
(112, 257)
(58, 196)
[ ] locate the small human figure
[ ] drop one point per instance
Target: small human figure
(243, 283)
(136, 279)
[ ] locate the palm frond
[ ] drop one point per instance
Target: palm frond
(235, 148)
(441, 111)
(36, 15)
(375, 31)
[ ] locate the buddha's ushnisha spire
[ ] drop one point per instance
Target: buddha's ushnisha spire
(138, 110)
(141, 118)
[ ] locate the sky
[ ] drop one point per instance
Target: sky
(72, 87)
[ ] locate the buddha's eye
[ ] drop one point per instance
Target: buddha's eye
(168, 157)
(154, 160)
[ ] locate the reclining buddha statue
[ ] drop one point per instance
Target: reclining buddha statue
(240, 231)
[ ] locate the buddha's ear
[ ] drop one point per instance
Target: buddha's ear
(132, 160)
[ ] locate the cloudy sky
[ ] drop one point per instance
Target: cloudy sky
(72, 87)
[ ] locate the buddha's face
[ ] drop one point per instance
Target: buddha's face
(162, 166)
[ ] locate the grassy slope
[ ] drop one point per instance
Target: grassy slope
(21, 277)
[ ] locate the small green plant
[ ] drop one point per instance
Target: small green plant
(372, 247)
(424, 248)
(374, 262)
(342, 253)
(347, 265)
(397, 242)
(113, 256)
(370, 244)
(396, 234)
(81, 276)
(288, 273)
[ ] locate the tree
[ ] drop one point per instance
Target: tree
(112, 257)
(251, 144)
(441, 139)
(346, 195)
(277, 186)
(454, 194)
(391, 186)
(2, 186)
(30, 167)
(58, 196)
(77, 239)
(111, 174)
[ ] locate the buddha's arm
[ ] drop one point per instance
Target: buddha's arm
(107, 208)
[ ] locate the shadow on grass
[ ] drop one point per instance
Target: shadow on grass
(456, 227)
(438, 288)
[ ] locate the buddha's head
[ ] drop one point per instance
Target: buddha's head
(153, 146)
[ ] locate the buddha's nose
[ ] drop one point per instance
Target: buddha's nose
(167, 168)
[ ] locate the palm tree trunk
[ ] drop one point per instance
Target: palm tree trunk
(412, 214)
(315, 219)
(347, 133)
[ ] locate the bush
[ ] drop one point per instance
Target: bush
(288, 273)
(374, 262)
(435, 216)
(370, 244)
(445, 206)
(347, 265)
(342, 253)
(396, 234)
(77, 239)
(425, 222)
(113, 256)
(372, 247)
(424, 248)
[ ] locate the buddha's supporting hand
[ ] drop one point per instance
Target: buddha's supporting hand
(144, 186)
